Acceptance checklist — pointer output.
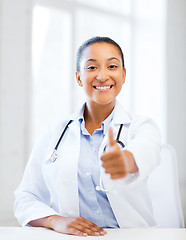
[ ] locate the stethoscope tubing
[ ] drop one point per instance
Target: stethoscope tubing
(55, 155)
(63, 133)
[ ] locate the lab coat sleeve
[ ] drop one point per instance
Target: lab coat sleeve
(32, 198)
(144, 142)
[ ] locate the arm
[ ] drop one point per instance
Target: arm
(141, 155)
(32, 200)
(32, 197)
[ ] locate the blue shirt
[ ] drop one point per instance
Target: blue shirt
(93, 205)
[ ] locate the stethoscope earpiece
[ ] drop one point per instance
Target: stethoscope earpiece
(54, 156)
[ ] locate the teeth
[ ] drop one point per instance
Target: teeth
(102, 88)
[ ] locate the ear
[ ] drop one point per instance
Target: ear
(124, 75)
(78, 78)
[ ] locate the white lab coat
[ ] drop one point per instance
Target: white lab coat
(44, 180)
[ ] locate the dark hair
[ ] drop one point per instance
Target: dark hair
(96, 40)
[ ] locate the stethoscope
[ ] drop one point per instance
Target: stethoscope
(54, 155)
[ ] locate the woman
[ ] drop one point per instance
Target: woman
(95, 182)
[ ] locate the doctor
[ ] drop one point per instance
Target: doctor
(97, 175)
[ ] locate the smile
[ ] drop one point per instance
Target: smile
(103, 87)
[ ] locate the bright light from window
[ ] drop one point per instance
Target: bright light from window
(57, 33)
(122, 6)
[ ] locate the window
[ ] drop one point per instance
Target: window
(51, 61)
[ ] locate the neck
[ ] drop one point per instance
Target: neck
(95, 114)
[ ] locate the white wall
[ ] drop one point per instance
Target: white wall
(176, 86)
(15, 28)
(15, 85)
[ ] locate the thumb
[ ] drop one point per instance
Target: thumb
(111, 142)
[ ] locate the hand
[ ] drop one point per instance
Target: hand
(76, 226)
(116, 162)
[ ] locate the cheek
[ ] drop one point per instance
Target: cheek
(86, 85)
(119, 79)
(87, 78)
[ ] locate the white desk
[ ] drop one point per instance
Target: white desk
(19, 233)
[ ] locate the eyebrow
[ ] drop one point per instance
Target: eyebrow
(109, 59)
(91, 60)
(112, 58)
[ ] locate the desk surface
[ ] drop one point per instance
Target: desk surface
(26, 233)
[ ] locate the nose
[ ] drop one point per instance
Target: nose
(102, 75)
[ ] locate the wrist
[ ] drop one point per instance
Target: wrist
(52, 220)
(132, 167)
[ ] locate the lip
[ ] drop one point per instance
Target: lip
(103, 88)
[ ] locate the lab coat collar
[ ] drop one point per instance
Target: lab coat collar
(121, 116)
(76, 115)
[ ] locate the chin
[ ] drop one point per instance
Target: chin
(105, 102)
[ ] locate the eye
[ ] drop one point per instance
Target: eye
(112, 66)
(91, 67)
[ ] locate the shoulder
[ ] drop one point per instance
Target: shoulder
(121, 115)
(134, 122)
(74, 118)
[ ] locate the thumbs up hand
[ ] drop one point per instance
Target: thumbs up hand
(117, 163)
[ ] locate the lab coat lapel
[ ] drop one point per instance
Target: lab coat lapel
(71, 199)
(63, 172)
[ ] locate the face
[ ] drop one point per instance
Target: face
(101, 73)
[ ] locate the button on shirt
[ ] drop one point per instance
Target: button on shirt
(93, 205)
